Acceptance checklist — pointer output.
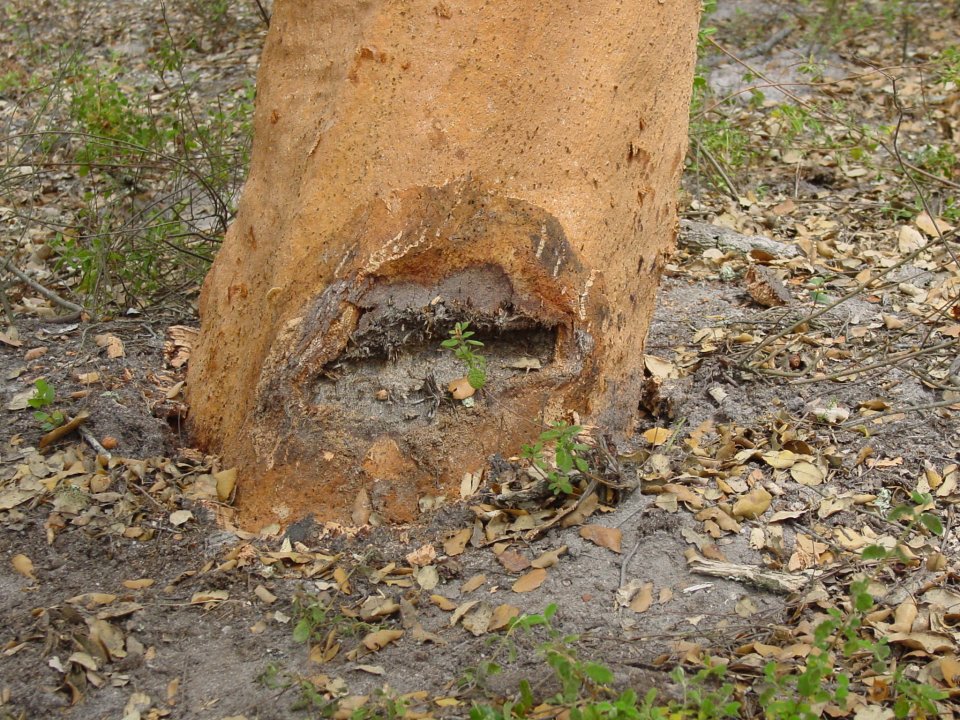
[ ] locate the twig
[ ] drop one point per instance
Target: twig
(7, 310)
(731, 188)
(625, 563)
(144, 492)
(897, 411)
(768, 44)
(49, 294)
(887, 362)
(942, 240)
(93, 442)
(263, 13)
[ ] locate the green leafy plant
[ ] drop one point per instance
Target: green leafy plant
(584, 686)
(463, 345)
(308, 695)
(316, 620)
(839, 642)
(44, 396)
(569, 456)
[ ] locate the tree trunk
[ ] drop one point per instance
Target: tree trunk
(513, 164)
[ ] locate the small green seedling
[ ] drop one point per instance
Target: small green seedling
(43, 397)
(462, 345)
(569, 456)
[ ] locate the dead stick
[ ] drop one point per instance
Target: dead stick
(626, 562)
(93, 442)
(49, 294)
(897, 411)
(853, 293)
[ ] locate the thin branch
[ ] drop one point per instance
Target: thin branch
(263, 13)
(942, 240)
(49, 294)
(897, 411)
(731, 188)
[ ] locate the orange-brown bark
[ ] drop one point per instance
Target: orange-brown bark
(418, 163)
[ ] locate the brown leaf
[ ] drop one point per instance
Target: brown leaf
(138, 584)
(531, 581)
(112, 343)
(656, 436)
(549, 558)
(64, 430)
(428, 577)
(643, 599)
(23, 565)
(443, 603)
(473, 583)
(461, 389)
(807, 473)
(226, 480)
(752, 505)
(209, 596)
(381, 638)
(765, 287)
(178, 348)
(423, 555)
(457, 543)
(502, 615)
(265, 595)
(950, 669)
(478, 619)
(10, 338)
(513, 561)
(607, 537)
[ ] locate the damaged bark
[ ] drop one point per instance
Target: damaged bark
(514, 168)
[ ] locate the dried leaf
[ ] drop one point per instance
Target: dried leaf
(779, 459)
(428, 577)
(381, 638)
(64, 430)
(84, 660)
(656, 436)
(138, 584)
(179, 517)
(457, 543)
(502, 615)
(23, 565)
(513, 561)
(462, 610)
(950, 669)
(112, 343)
(265, 595)
(209, 596)
(643, 599)
(478, 619)
(423, 555)
(226, 480)
(443, 603)
(746, 606)
(807, 473)
(549, 558)
(473, 583)
(607, 537)
(754, 504)
(529, 582)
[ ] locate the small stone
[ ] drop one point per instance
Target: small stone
(109, 442)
